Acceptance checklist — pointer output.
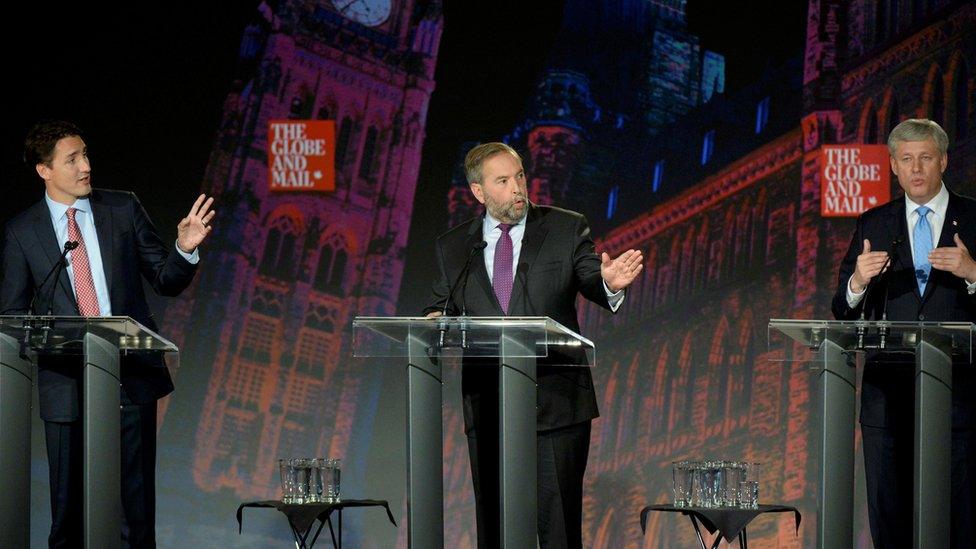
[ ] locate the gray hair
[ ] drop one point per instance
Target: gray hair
(474, 161)
(918, 129)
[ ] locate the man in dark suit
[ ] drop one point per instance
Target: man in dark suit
(116, 244)
(927, 233)
(536, 261)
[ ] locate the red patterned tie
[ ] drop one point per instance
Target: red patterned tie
(84, 285)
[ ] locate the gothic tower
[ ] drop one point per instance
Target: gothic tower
(266, 323)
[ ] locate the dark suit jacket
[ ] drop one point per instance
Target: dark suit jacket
(130, 247)
(556, 263)
(887, 388)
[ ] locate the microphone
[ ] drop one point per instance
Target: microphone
(29, 326)
(867, 290)
(892, 255)
(462, 276)
(61, 264)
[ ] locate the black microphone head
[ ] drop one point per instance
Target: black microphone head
(481, 245)
(70, 245)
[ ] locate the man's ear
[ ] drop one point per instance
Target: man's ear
(43, 170)
(479, 192)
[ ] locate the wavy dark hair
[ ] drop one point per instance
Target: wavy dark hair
(42, 138)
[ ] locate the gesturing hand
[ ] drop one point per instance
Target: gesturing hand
(869, 265)
(956, 260)
(195, 227)
(620, 272)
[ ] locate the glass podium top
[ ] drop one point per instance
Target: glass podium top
(65, 334)
(481, 336)
(873, 335)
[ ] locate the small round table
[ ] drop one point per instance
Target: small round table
(302, 516)
(730, 522)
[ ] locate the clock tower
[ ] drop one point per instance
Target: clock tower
(267, 320)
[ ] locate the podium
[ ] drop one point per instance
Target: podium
(518, 344)
(829, 346)
(98, 343)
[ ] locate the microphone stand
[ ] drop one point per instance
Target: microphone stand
(462, 276)
(56, 272)
(883, 330)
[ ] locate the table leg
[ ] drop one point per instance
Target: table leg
(317, 532)
(299, 539)
(332, 533)
(698, 531)
(743, 540)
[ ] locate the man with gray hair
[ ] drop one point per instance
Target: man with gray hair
(928, 234)
(527, 260)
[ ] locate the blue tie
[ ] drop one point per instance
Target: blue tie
(921, 246)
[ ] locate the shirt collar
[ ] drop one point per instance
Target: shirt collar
(939, 203)
(59, 211)
(491, 223)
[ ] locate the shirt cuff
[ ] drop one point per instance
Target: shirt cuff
(613, 298)
(193, 258)
(853, 298)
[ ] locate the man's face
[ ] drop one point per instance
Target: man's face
(919, 166)
(502, 188)
(68, 176)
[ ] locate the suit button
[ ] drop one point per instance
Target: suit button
(921, 317)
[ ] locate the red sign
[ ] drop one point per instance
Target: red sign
(853, 178)
(301, 155)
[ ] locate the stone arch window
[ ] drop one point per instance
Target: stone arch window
(342, 141)
(718, 372)
(301, 104)
(892, 115)
(869, 124)
(367, 168)
(935, 96)
(279, 257)
(959, 102)
(660, 422)
(331, 270)
(881, 10)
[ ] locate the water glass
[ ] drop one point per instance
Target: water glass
(733, 472)
(315, 481)
(329, 472)
(682, 482)
(710, 484)
(303, 472)
(288, 480)
(749, 494)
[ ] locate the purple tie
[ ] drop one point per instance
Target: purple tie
(501, 276)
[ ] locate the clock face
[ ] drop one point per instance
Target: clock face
(368, 12)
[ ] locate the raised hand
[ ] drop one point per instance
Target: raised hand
(620, 272)
(869, 265)
(195, 227)
(955, 259)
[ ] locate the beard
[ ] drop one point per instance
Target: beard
(509, 212)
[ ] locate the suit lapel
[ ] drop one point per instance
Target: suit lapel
(103, 228)
(950, 226)
(898, 228)
(48, 240)
(535, 234)
(478, 269)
